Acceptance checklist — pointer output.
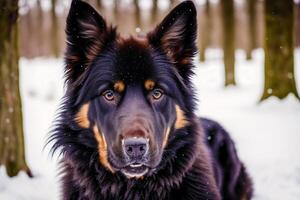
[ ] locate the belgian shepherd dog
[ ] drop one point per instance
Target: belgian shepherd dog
(126, 129)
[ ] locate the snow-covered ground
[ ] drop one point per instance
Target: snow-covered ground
(267, 134)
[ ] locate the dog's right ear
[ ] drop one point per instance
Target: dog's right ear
(87, 35)
(176, 35)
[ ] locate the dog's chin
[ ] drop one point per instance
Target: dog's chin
(135, 171)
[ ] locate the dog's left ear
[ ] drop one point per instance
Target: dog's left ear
(87, 36)
(176, 36)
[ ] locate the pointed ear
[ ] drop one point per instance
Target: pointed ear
(176, 35)
(87, 35)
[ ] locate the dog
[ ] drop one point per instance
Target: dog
(126, 129)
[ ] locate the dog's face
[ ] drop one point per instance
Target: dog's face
(129, 92)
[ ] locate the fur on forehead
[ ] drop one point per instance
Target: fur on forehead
(134, 60)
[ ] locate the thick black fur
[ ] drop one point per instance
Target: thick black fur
(230, 172)
(199, 160)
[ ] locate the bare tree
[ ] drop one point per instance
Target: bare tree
(137, 13)
(40, 22)
(251, 8)
(279, 49)
(116, 10)
(297, 26)
(28, 18)
(205, 32)
(99, 4)
(55, 29)
(12, 152)
(154, 11)
(228, 40)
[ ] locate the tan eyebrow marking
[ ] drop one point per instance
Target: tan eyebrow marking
(181, 120)
(102, 148)
(149, 84)
(119, 86)
(82, 116)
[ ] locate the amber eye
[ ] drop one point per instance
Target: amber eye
(157, 93)
(109, 95)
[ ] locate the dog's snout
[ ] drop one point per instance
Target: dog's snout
(135, 148)
(139, 133)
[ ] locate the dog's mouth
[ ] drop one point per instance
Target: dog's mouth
(136, 170)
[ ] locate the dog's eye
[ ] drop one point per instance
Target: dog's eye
(109, 95)
(157, 93)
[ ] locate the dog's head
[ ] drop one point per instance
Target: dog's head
(131, 94)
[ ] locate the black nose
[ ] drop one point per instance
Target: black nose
(135, 147)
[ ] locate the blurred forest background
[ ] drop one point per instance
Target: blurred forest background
(42, 22)
(253, 44)
(38, 25)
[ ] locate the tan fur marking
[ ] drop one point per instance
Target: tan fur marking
(166, 137)
(149, 84)
(102, 148)
(181, 120)
(82, 116)
(119, 86)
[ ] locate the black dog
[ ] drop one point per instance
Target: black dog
(127, 128)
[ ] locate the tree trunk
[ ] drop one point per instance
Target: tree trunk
(137, 13)
(154, 11)
(228, 40)
(205, 32)
(251, 7)
(99, 4)
(28, 51)
(12, 152)
(297, 26)
(116, 10)
(55, 28)
(279, 49)
(40, 25)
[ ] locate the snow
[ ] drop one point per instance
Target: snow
(266, 134)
